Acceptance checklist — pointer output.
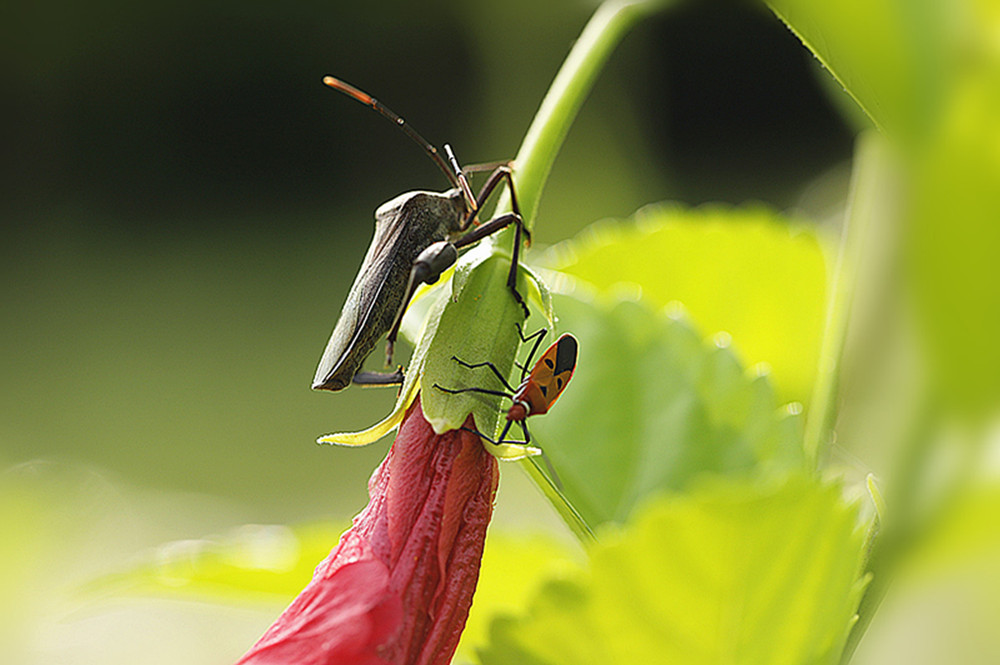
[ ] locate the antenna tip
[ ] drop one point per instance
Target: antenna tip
(348, 89)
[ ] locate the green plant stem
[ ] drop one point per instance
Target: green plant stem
(566, 95)
(869, 166)
(897, 533)
(541, 144)
(579, 526)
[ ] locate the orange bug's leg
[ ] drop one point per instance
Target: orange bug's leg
(506, 428)
(538, 336)
(456, 391)
(541, 332)
(496, 442)
(493, 367)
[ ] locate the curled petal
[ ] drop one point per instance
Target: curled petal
(398, 586)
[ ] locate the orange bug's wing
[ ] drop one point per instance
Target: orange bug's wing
(554, 369)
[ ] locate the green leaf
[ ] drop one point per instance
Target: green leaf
(893, 58)
(473, 317)
(506, 584)
(478, 324)
(255, 562)
(731, 573)
(652, 406)
(746, 271)
(952, 244)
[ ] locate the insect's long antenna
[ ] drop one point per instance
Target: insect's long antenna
(368, 100)
(463, 182)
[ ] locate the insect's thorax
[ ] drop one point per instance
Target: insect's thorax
(429, 215)
(533, 395)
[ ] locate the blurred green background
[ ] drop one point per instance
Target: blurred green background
(184, 204)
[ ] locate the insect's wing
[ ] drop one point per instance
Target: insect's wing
(370, 306)
(555, 368)
(404, 227)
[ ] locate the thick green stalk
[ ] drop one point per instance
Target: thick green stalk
(869, 167)
(541, 144)
(566, 95)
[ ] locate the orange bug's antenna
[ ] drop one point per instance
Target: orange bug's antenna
(452, 172)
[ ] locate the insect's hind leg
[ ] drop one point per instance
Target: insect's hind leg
(495, 442)
(379, 378)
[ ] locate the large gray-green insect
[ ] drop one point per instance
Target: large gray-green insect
(417, 237)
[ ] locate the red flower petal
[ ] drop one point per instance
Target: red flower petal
(398, 586)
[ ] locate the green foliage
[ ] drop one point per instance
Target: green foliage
(891, 57)
(651, 407)
(953, 247)
(718, 544)
(479, 322)
(927, 73)
(513, 570)
(747, 271)
(742, 572)
(263, 563)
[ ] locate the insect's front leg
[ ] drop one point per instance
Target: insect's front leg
(427, 269)
(501, 174)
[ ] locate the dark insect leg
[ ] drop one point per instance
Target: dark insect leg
(495, 442)
(485, 364)
(484, 391)
(492, 226)
(503, 173)
(488, 228)
(506, 428)
(538, 336)
(485, 166)
(378, 378)
(538, 333)
(427, 269)
(527, 439)
(390, 341)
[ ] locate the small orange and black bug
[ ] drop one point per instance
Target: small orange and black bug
(540, 387)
